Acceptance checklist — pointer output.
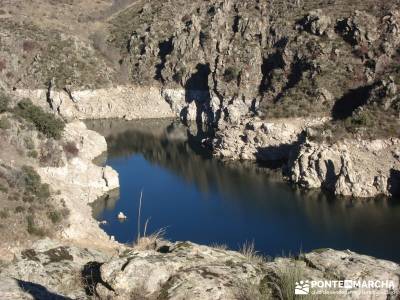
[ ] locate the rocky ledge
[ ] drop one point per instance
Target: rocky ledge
(182, 270)
(128, 102)
(80, 182)
(351, 167)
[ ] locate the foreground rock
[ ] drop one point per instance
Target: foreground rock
(182, 270)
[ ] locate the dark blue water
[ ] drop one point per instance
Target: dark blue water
(200, 199)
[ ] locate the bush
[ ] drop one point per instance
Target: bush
(44, 122)
(19, 209)
(4, 214)
(33, 184)
(33, 154)
(3, 188)
(32, 228)
(71, 150)
(4, 102)
(30, 145)
(2, 65)
(54, 216)
(5, 124)
(231, 74)
(28, 46)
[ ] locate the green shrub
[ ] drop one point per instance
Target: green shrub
(14, 197)
(4, 102)
(19, 209)
(231, 74)
(44, 122)
(30, 145)
(32, 228)
(33, 154)
(54, 216)
(5, 124)
(4, 214)
(3, 188)
(33, 184)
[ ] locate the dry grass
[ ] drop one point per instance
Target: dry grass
(219, 246)
(248, 250)
(144, 241)
(151, 241)
(251, 291)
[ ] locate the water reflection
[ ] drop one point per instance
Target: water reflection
(206, 201)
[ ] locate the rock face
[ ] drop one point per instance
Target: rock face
(255, 139)
(264, 59)
(128, 102)
(183, 270)
(350, 168)
(81, 182)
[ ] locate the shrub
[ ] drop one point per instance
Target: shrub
(71, 150)
(14, 197)
(30, 145)
(3, 188)
(19, 209)
(28, 46)
(178, 76)
(5, 124)
(33, 154)
(54, 216)
(33, 184)
(2, 64)
(4, 214)
(4, 102)
(32, 228)
(44, 122)
(231, 74)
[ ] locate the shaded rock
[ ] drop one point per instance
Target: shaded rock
(384, 94)
(262, 140)
(360, 28)
(316, 22)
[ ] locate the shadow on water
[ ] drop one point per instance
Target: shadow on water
(206, 201)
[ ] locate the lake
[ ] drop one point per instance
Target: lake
(201, 199)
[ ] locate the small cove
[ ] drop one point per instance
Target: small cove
(198, 198)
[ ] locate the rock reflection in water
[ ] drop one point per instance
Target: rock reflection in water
(207, 201)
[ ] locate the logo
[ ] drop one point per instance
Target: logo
(302, 287)
(341, 287)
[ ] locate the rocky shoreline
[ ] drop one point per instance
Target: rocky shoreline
(337, 167)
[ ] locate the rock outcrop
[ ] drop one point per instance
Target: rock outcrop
(185, 270)
(80, 182)
(349, 168)
(128, 102)
(257, 139)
